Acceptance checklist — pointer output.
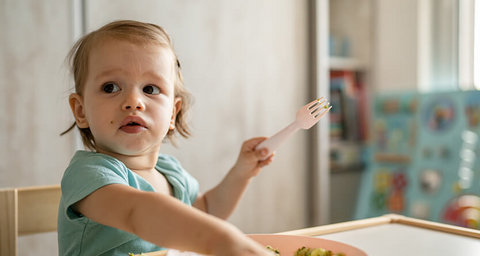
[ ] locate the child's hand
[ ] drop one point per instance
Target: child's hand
(249, 161)
(247, 249)
(223, 198)
(238, 244)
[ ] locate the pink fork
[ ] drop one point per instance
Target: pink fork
(306, 117)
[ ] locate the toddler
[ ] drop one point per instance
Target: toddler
(122, 196)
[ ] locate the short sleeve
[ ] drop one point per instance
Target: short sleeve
(86, 173)
(185, 185)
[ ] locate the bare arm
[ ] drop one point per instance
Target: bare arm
(165, 221)
(222, 199)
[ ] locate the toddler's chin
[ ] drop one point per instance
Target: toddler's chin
(122, 150)
(130, 151)
(134, 150)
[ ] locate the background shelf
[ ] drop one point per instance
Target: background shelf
(342, 63)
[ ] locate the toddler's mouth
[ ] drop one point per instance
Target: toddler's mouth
(133, 124)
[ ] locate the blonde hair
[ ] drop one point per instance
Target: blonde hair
(138, 33)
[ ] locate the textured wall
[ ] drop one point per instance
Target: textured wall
(34, 92)
(35, 36)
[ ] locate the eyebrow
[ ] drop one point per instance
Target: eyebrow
(155, 75)
(119, 70)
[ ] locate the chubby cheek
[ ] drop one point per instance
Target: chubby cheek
(99, 119)
(163, 116)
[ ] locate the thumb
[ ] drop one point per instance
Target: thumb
(262, 153)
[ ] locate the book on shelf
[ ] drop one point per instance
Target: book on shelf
(336, 114)
(348, 116)
(363, 112)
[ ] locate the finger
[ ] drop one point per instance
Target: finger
(264, 163)
(253, 143)
(267, 161)
(262, 153)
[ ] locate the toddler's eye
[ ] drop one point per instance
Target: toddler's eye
(110, 88)
(151, 89)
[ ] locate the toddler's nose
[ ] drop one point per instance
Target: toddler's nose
(133, 102)
(138, 107)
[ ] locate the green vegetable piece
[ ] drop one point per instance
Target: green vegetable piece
(318, 252)
(273, 250)
(304, 251)
(297, 253)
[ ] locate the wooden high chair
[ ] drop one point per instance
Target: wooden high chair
(25, 211)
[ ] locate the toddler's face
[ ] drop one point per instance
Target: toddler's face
(128, 99)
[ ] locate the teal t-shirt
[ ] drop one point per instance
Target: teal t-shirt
(89, 171)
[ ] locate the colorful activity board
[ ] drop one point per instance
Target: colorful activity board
(423, 158)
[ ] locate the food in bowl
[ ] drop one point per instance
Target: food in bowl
(306, 251)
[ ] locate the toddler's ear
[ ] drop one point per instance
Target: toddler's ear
(76, 104)
(177, 105)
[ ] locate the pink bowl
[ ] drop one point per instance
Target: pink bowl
(287, 245)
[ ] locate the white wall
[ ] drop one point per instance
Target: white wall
(34, 92)
(416, 45)
(35, 36)
(395, 52)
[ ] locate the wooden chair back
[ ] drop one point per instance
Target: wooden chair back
(25, 211)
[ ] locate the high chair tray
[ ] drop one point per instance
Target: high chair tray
(395, 235)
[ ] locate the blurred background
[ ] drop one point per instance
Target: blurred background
(400, 74)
